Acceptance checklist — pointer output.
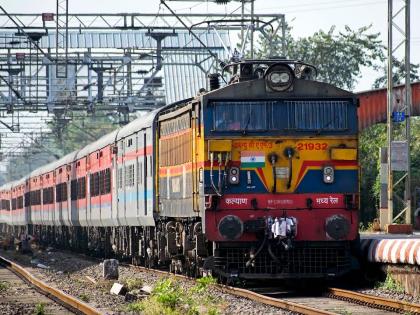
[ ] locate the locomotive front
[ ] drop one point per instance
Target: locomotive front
(280, 176)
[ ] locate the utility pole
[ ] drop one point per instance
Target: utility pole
(398, 117)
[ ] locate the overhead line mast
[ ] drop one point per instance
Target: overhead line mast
(398, 112)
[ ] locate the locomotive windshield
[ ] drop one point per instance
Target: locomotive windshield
(240, 116)
(296, 115)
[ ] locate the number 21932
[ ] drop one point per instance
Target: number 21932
(301, 146)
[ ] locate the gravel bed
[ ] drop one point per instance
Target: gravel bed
(398, 296)
(69, 272)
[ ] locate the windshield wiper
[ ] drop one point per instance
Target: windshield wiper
(244, 131)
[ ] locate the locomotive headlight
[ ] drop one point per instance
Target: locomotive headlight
(234, 175)
(279, 77)
(328, 173)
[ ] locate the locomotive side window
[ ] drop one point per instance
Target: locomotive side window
(245, 116)
(175, 142)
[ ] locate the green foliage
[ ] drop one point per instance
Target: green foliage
(167, 292)
(4, 285)
(390, 285)
(133, 284)
(339, 56)
(203, 283)
(398, 75)
(170, 298)
(39, 309)
(84, 297)
(370, 141)
(365, 228)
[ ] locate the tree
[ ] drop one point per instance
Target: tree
(338, 56)
(398, 76)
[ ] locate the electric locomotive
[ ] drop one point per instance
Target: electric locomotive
(274, 172)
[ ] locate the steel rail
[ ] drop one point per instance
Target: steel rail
(376, 301)
(283, 304)
(62, 297)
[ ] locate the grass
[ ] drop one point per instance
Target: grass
(39, 309)
(365, 228)
(134, 284)
(170, 298)
(84, 297)
(390, 285)
(4, 285)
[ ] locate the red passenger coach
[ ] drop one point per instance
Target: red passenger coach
(48, 204)
(100, 186)
(80, 203)
(19, 214)
(33, 198)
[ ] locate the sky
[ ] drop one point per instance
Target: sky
(305, 16)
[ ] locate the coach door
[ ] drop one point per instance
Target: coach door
(121, 182)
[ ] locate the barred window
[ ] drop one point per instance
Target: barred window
(129, 175)
(5, 204)
(81, 188)
(120, 178)
(35, 197)
(48, 196)
(106, 181)
(61, 192)
(94, 184)
(20, 202)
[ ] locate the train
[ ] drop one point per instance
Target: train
(257, 178)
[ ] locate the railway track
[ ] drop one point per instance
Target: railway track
(332, 301)
(28, 291)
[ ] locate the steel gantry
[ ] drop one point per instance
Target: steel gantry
(54, 64)
(398, 117)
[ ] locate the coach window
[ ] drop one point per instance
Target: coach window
(27, 199)
(107, 180)
(120, 178)
(73, 190)
(129, 175)
(20, 202)
(81, 188)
